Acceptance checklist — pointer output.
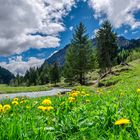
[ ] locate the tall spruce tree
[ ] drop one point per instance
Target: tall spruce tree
(54, 74)
(79, 56)
(106, 47)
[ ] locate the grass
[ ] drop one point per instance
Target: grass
(90, 114)
(120, 73)
(9, 89)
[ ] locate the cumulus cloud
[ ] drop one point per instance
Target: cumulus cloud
(31, 23)
(18, 66)
(119, 12)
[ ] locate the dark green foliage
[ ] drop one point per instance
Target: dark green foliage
(5, 76)
(33, 76)
(38, 76)
(134, 54)
(106, 47)
(54, 74)
(122, 56)
(79, 57)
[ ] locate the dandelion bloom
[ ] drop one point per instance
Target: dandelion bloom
(74, 94)
(15, 102)
(1, 108)
(48, 108)
(138, 90)
(71, 99)
(0, 105)
(47, 102)
(122, 121)
(6, 107)
(43, 108)
(15, 99)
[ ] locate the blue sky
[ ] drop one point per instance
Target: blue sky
(24, 51)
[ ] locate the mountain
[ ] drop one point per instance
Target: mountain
(59, 56)
(5, 76)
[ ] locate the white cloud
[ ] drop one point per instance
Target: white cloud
(18, 66)
(19, 19)
(71, 28)
(119, 12)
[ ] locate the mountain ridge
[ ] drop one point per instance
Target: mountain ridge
(5, 76)
(59, 56)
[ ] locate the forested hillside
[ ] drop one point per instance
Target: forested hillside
(5, 76)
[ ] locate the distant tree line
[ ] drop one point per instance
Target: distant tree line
(39, 76)
(82, 58)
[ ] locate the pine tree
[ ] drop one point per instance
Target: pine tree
(79, 56)
(54, 74)
(106, 47)
(44, 74)
(122, 56)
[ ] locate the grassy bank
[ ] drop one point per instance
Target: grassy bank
(9, 89)
(89, 113)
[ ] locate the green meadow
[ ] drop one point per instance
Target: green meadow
(111, 112)
(9, 89)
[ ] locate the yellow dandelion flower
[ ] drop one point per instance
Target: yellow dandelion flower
(43, 108)
(15, 99)
(122, 121)
(15, 102)
(71, 99)
(0, 105)
(74, 94)
(47, 102)
(1, 108)
(138, 90)
(6, 107)
(48, 108)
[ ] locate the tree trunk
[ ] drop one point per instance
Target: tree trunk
(82, 79)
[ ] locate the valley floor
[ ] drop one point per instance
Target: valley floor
(9, 89)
